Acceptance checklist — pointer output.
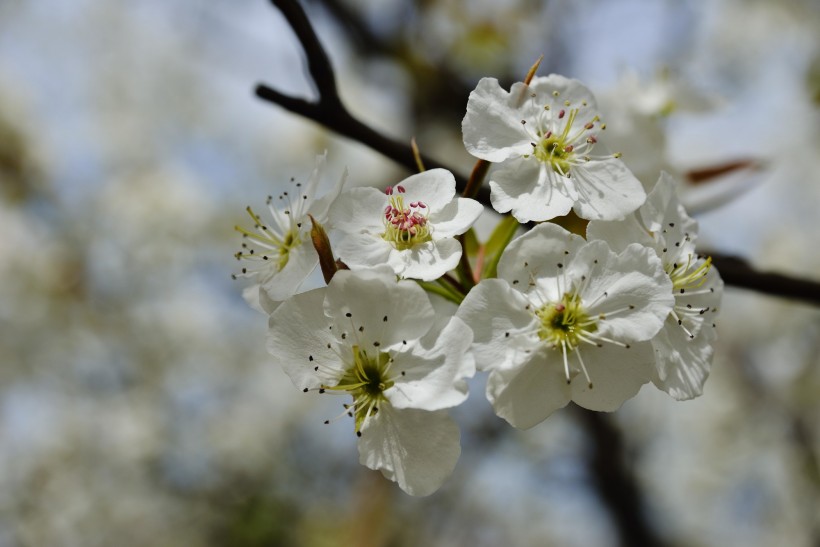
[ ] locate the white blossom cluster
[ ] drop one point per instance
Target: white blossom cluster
(551, 316)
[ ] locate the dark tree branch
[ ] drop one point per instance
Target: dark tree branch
(330, 112)
(615, 481)
(738, 273)
(318, 62)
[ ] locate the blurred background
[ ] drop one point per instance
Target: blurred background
(137, 403)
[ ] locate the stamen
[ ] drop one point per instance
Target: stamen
(583, 368)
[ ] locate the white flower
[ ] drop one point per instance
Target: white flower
(543, 135)
(410, 226)
(684, 346)
(370, 336)
(281, 253)
(566, 320)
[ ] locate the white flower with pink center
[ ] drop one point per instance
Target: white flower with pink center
(411, 226)
(378, 340)
(543, 134)
(684, 346)
(566, 320)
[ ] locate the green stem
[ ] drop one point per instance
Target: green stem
(443, 290)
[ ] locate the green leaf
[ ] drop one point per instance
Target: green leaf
(442, 289)
(499, 239)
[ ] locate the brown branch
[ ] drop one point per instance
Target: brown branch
(330, 112)
(615, 480)
(737, 272)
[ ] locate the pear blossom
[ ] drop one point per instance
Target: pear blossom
(280, 254)
(411, 226)
(683, 348)
(566, 320)
(378, 340)
(543, 134)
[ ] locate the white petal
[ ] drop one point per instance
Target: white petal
(607, 190)
(537, 254)
(492, 127)
(298, 338)
(619, 234)
(526, 395)
(630, 289)
(456, 218)
(427, 261)
(258, 299)
(616, 374)
(359, 210)
(661, 223)
(415, 448)
(315, 176)
(251, 294)
(370, 296)
(436, 188)
(301, 262)
(683, 364)
(433, 378)
(363, 250)
(321, 207)
(533, 191)
(568, 89)
(653, 212)
(502, 327)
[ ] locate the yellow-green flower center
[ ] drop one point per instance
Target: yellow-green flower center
(563, 324)
(557, 150)
(290, 241)
(366, 380)
(554, 151)
(689, 275)
(275, 247)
